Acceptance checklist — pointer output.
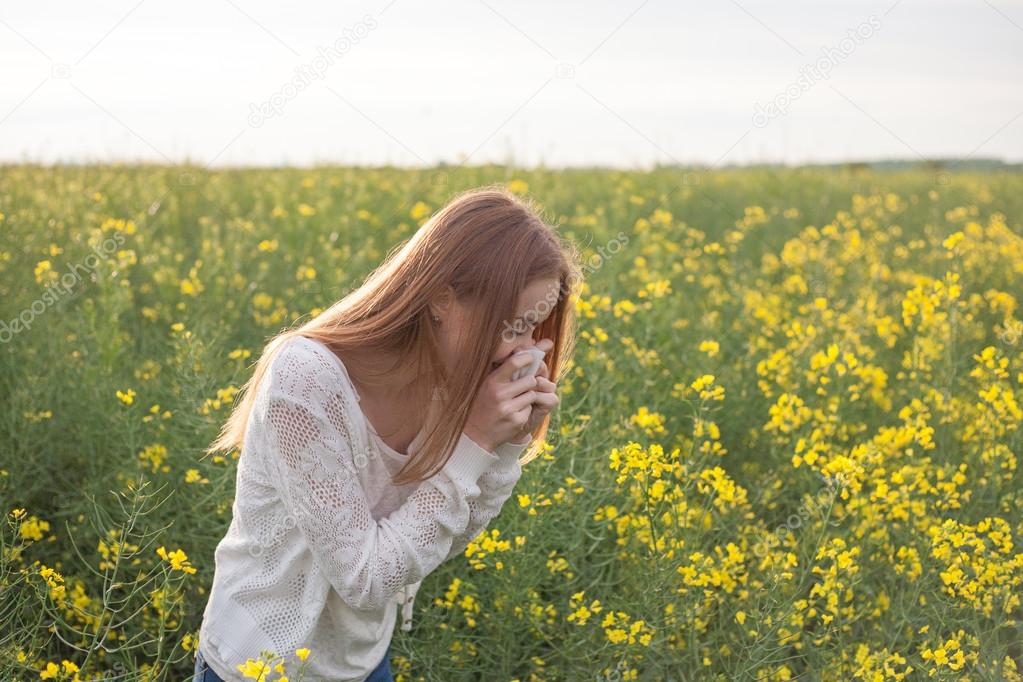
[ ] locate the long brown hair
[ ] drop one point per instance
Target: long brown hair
(488, 245)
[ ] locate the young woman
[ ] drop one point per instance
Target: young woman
(380, 437)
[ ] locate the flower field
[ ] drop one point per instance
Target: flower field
(787, 446)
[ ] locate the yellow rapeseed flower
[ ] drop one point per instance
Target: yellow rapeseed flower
(177, 559)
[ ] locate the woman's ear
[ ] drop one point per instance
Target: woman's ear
(441, 304)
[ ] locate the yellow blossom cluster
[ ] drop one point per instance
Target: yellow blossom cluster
(981, 566)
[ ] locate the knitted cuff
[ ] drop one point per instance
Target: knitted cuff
(468, 461)
(511, 450)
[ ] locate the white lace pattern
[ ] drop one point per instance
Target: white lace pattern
(322, 547)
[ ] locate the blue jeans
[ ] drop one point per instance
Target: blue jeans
(204, 673)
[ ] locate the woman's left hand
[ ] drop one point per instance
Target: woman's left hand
(546, 400)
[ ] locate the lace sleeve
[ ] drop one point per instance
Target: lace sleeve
(496, 485)
(307, 418)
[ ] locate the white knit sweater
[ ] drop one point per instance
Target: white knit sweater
(322, 547)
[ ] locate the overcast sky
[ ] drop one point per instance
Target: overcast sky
(239, 82)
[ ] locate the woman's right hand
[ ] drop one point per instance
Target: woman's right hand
(502, 406)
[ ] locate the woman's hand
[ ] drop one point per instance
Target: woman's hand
(545, 402)
(502, 406)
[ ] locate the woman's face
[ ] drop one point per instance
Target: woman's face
(536, 302)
